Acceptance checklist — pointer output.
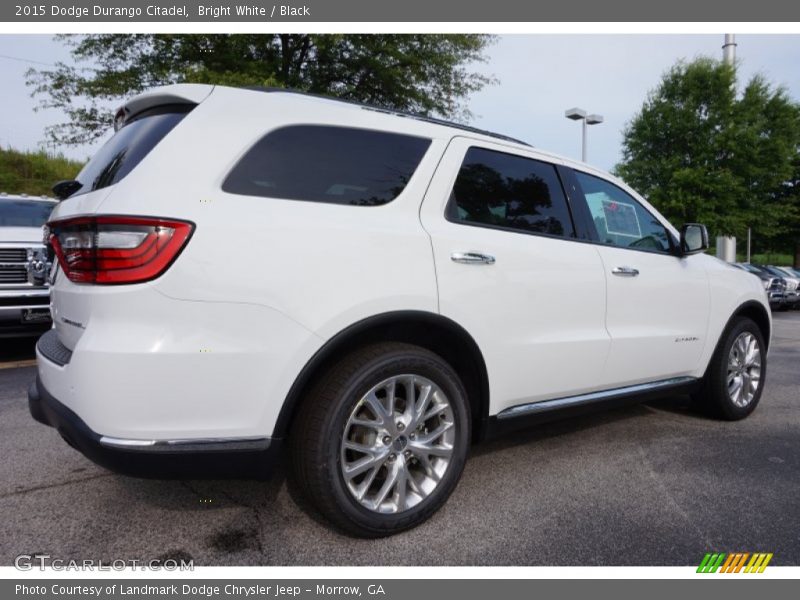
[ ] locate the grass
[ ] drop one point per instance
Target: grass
(774, 258)
(33, 173)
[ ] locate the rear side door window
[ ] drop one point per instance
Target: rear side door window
(335, 165)
(506, 191)
(619, 219)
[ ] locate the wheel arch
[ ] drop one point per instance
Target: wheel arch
(434, 332)
(756, 312)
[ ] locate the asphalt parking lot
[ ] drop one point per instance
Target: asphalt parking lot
(654, 484)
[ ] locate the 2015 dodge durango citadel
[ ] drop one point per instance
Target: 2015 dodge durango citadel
(244, 270)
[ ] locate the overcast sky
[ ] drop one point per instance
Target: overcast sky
(539, 77)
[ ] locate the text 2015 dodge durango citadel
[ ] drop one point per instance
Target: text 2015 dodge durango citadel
(240, 268)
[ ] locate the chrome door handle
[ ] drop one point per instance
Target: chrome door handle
(472, 258)
(625, 271)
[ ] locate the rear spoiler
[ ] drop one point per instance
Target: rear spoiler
(189, 94)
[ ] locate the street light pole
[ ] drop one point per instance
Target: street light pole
(578, 114)
(583, 140)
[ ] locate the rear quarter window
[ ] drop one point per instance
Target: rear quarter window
(335, 165)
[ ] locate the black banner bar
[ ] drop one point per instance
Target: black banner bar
(311, 11)
(731, 588)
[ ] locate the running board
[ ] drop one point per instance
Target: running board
(549, 410)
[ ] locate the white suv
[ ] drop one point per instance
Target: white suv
(242, 268)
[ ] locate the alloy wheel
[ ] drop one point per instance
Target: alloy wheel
(397, 443)
(744, 369)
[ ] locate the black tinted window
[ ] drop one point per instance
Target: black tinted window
(24, 213)
(503, 190)
(619, 219)
(338, 165)
(126, 149)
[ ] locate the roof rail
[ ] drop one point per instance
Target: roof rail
(390, 111)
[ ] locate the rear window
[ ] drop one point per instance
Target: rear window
(128, 146)
(336, 165)
(24, 213)
(506, 191)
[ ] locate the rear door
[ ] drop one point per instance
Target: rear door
(658, 303)
(512, 273)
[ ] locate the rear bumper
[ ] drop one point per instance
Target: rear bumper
(217, 458)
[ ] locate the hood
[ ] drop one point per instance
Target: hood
(25, 235)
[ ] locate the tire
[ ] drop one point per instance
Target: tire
(725, 368)
(414, 463)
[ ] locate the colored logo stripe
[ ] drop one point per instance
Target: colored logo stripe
(734, 562)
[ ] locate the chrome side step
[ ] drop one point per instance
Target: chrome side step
(543, 406)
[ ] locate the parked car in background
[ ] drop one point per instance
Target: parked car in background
(791, 271)
(24, 265)
(792, 284)
(373, 290)
(774, 286)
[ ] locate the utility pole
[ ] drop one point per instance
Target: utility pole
(726, 244)
(729, 49)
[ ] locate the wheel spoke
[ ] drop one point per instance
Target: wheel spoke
(752, 350)
(431, 450)
(436, 409)
(363, 449)
(428, 438)
(377, 409)
(427, 466)
(391, 479)
(400, 488)
(742, 348)
(736, 389)
(364, 485)
(425, 395)
(368, 462)
(391, 389)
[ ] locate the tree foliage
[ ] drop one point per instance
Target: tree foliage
(701, 152)
(428, 74)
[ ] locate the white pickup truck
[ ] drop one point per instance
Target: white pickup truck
(24, 265)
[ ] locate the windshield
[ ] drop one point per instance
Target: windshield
(751, 268)
(128, 146)
(24, 213)
(787, 271)
(773, 271)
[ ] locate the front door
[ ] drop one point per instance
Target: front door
(657, 303)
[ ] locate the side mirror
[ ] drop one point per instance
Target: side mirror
(694, 239)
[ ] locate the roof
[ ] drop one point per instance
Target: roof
(393, 112)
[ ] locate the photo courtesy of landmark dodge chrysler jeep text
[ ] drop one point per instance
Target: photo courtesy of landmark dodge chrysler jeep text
(241, 271)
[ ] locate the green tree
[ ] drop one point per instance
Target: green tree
(428, 74)
(702, 152)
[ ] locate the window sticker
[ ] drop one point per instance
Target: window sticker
(621, 218)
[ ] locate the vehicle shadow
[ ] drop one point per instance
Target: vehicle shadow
(273, 505)
(679, 407)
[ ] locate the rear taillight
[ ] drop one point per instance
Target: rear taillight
(113, 250)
